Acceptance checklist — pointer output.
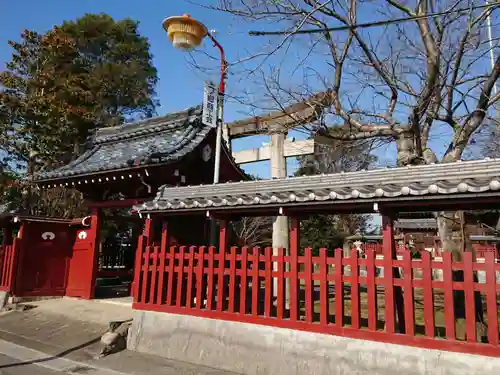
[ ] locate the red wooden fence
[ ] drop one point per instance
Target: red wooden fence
(329, 293)
(7, 267)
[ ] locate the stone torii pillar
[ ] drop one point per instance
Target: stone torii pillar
(280, 222)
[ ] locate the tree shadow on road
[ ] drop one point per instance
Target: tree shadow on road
(55, 356)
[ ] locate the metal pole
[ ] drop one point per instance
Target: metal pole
(220, 108)
(218, 144)
(490, 37)
(220, 122)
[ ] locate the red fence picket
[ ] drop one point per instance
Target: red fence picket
(7, 267)
(251, 286)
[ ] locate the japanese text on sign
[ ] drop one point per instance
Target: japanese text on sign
(210, 100)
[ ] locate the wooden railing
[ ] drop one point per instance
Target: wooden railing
(7, 266)
(329, 293)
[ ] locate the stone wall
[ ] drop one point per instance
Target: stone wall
(255, 349)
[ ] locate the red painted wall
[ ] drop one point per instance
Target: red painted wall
(44, 254)
(83, 262)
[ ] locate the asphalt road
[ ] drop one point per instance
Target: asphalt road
(11, 366)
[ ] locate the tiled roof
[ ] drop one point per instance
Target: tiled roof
(427, 180)
(130, 145)
(420, 223)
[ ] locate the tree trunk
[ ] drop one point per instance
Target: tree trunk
(452, 240)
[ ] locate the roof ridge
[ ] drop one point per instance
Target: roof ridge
(144, 126)
(475, 176)
(364, 171)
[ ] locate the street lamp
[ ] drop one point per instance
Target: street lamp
(186, 34)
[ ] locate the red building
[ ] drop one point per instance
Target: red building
(122, 166)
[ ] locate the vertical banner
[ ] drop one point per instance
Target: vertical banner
(210, 102)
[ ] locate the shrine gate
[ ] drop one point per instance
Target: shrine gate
(126, 165)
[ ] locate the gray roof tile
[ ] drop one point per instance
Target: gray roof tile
(426, 180)
(173, 136)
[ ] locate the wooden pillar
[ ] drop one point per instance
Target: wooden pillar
(15, 269)
(292, 290)
(94, 232)
(222, 279)
(148, 232)
(393, 295)
(223, 235)
(163, 253)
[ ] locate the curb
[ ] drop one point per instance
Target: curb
(28, 356)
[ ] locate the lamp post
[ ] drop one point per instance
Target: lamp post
(186, 34)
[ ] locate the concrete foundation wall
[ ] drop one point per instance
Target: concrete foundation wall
(254, 349)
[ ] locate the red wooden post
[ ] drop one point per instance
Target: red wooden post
(161, 270)
(371, 289)
(5, 265)
(170, 272)
(222, 264)
(220, 279)
(449, 308)
(6, 281)
(388, 245)
(12, 258)
(408, 294)
(145, 275)
(180, 276)
(491, 298)
(232, 279)
(339, 288)
(137, 286)
(268, 282)
(255, 282)
(244, 284)
(470, 306)
(190, 270)
(323, 287)
(355, 295)
(14, 255)
(94, 239)
(200, 270)
(154, 273)
(148, 231)
(294, 268)
(281, 283)
(428, 294)
(6, 246)
(308, 285)
(210, 278)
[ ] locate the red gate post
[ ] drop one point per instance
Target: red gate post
(163, 254)
(15, 272)
(393, 295)
(95, 229)
(294, 268)
(221, 280)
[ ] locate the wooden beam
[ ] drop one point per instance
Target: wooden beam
(293, 116)
(264, 153)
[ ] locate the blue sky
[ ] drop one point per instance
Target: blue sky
(180, 84)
